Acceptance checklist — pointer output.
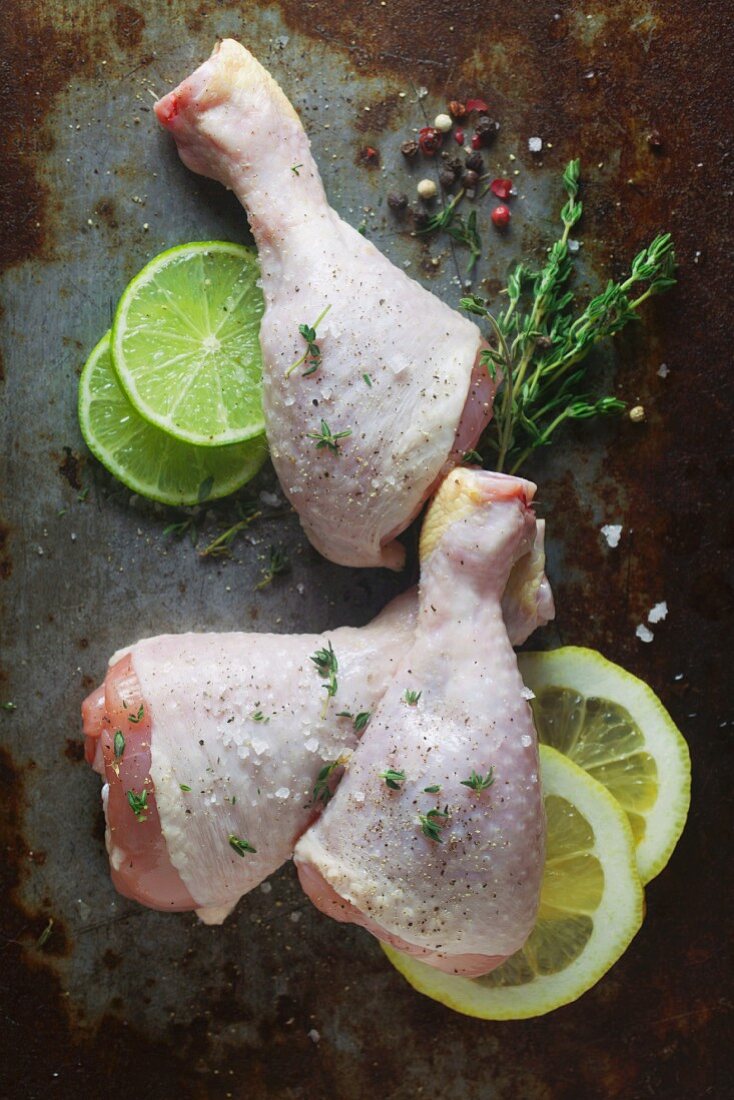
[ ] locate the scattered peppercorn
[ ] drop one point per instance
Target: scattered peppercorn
(443, 123)
(501, 217)
(369, 155)
(475, 163)
(502, 188)
(426, 189)
(459, 137)
(429, 140)
(457, 109)
(476, 141)
(409, 148)
(654, 140)
(421, 217)
(447, 178)
(397, 200)
(486, 129)
(476, 105)
(637, 414)
(470, 179)
(456, 164)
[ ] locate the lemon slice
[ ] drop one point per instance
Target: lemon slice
(144, 458)
(591, 905)
(612, 725)
(185, 343)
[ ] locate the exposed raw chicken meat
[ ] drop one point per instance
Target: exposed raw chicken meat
(423, 860)
(398, 372)
(209, 688)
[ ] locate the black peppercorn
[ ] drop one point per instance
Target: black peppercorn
(486, 128)
(475, 163)
(420, 217)
(447, 178)
(409, 148)
(470, 179)
(396, 200)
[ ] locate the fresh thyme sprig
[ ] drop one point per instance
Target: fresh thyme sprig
(138, 803)
(393, 779)
(322, 788)
(412, 697)
(478, 782)
(327, 438)
(313, 351)
(463, 231)
(241, 847)
(278, 564)
(432, 823)
(221, 546)
(538, 343)
(327, 666)
(135, 718)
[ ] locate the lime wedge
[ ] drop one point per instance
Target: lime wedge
(185, 343)
(147, 460)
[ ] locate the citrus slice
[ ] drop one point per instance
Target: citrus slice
(610, 723)
(591, 905)
(147, 460)
(185, 343)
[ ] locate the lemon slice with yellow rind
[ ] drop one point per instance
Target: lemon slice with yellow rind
(615, 727)
(590, 908)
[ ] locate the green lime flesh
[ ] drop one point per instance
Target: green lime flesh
(185, 343)
(148, 460)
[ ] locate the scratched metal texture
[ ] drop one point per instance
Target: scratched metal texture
(120, 1001)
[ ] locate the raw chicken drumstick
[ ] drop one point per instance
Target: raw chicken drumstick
(434, 840)
(360, 431)
(241, 720)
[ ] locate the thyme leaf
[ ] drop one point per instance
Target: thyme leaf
(240, 846)
(393, 779)
(477, 782)
(326, 438)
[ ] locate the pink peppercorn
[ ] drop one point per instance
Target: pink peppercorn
(501, 217)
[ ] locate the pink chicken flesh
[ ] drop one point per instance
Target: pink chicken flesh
(251, 777)
(428, 397)
(428, 863)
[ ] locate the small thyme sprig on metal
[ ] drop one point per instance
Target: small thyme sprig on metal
(313, 351)
(327, 438)
(138, 804)
(327, 666)
(222, 544)
(538, 343)
(135, 718)
(278, 563)
(412, 697)
(478, 782)
(432, 823)
(241, 847)
(394, 779)
(322, 788)
(463, 232)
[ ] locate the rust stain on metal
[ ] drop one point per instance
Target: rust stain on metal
(71, 466)
(128, 25)
(6, 562)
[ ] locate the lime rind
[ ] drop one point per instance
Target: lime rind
(185, 343)
(590, 675)
(147, 460)
(520, 993)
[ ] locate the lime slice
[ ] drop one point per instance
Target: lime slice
(591, 905)
(612, 724)
(147, 460)
(185, 343)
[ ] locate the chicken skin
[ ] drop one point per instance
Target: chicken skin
(362, 428)
(434, 840)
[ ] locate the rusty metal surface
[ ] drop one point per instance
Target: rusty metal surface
(119, 1001)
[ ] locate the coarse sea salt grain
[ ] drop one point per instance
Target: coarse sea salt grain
(657, 613)
(282, 792)
(612, 532)
(663, 370)
(527, 693)
(644, 634)
(535, 144)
